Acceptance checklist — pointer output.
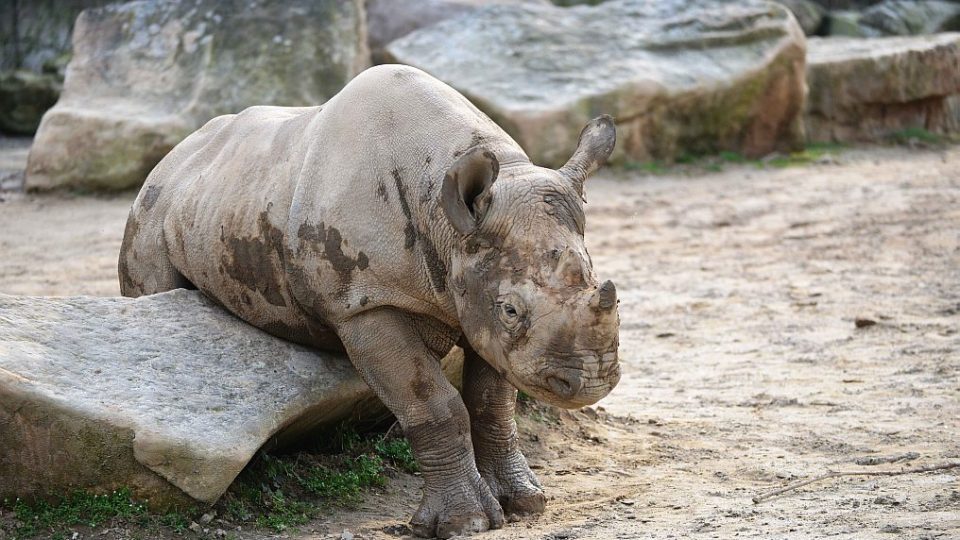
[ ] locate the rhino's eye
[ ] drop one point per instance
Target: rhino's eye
(510, 312)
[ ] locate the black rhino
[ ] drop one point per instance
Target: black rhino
(394, 222)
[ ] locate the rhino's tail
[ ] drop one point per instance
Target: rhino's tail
(144, 267)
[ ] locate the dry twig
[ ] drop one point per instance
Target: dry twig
(927, 468)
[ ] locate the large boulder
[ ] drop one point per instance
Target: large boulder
(679, 76)
(147, 73)
(868, 89)
(168, 394)
(388, 20)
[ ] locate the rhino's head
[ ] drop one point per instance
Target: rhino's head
(526, 294)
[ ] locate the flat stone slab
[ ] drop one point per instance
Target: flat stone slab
(679, 76)
(168, 394)
(869, 88)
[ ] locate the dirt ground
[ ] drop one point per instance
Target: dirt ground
(745, 366)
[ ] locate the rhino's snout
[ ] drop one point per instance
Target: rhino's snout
(584, 383)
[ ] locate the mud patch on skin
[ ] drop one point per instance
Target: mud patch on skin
(331, 241)
(253, 261)
(382, 191)
(436, 268)
(150, 197)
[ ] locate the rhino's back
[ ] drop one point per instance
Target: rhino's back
(215, 207)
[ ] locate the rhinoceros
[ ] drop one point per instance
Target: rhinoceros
(393, 222)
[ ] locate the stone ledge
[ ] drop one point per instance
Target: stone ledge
(167, 394)
(865, 89)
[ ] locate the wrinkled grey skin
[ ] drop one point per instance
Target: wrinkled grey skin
(393, 222)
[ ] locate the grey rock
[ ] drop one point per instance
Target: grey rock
(145, 74)
(905, 17)
(168, 394)
(846, 4)
(869, 89)
(388, 20)
(680, 76)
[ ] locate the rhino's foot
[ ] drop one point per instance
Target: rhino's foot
(514, 485)
(461, 508)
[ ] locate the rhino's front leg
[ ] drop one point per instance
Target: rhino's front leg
(491, 401)
(390, 351)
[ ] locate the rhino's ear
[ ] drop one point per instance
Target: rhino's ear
(593, 148)
(465, 194)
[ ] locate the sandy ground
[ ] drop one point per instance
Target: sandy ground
(744, 368)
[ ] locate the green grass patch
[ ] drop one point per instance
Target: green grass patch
(649, 167)
(77, 509)
(717, 162)
(398, 452)
(283, 492)
(276, 492)
(912, 136)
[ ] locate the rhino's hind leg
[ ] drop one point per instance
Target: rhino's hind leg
(491, 401)
(400, 359)
(144, 267)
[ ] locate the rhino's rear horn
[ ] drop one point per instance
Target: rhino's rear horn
(605, 298)
(594, 146)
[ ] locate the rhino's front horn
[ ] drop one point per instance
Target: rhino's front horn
(605, 297)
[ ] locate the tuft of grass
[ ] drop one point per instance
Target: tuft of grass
(344, 484)
(398, 452)
(649, 167)
(284, 492)
(731, 157)
(284, 513)
(175, 521)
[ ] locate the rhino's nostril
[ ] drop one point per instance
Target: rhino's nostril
(565, 385)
